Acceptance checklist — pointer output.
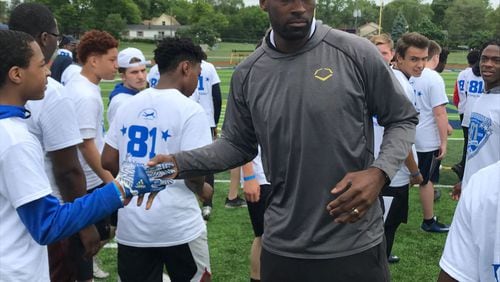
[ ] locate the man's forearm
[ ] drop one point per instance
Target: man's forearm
(397, 141)
(216, 157)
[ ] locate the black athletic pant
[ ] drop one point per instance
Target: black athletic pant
(370, 265)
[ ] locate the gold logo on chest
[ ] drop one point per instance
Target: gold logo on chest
(323, 74)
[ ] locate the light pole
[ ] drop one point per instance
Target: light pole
(380, 17)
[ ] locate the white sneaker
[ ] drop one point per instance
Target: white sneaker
(206, 211)
(165, 277)
(98, 272)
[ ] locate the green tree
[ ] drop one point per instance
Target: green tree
(439, 8)
(115, 25)
(399, 26)
(464, 18)
(247, 25)
(413, 10)
(227, 7)
(432, 31)
(3, 12)
(200, 34)
(493, 22)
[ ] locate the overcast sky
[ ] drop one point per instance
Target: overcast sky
(494, 3)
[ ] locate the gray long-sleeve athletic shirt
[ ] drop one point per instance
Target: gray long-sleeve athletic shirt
(311, 112)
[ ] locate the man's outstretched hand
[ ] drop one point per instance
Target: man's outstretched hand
(136, 180)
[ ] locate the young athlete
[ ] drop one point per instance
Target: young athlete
(257, 190)
(132, 69)
(411, 55)
(432, 134)
(163, 120)
(31, 217)
(64, 57)
(472, 249)
(484, 130)
(53, 122)
(97, 52)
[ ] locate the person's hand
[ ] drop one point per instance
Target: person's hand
(169, 160)
(449, 130)
(355, 193)
(442, 152)
(89, 236)
(416, 178)
(457, 190)
(215, 134)
(251, 188)
(137, 180)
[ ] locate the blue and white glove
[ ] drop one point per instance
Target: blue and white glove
(137, 179)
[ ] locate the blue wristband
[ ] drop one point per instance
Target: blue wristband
(250, 177)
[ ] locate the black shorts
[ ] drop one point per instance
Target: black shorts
(370, 265)
(256, 210)
(185, 262)
(398, 211)
(62, 266)
(429, 166)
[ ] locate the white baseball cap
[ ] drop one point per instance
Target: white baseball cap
(131, 57)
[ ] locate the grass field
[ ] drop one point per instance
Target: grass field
(230, 233)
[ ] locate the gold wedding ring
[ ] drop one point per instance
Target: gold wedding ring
(354, 211)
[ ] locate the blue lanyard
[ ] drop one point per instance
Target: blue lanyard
(7, 111)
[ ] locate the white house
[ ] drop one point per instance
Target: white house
(156, 28)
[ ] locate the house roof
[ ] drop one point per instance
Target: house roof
(142, 27)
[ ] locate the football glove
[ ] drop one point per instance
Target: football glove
(137, 179)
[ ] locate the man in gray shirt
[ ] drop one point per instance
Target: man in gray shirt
(307, 96)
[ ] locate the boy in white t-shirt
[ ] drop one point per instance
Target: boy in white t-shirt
(411, 55)
(472, 249)
(97, 52)
(432, 134)
(463, 87)
(163, 120)
(30, 216)
(53, 122)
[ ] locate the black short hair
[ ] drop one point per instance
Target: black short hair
(473, 57)
(494, 41)
(171, 51)
(16, 51)
(32, 18)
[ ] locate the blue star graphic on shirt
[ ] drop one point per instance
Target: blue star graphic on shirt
(123, 130)
(165, 135)
(207, 79)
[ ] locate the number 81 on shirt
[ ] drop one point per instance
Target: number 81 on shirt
(142, 141)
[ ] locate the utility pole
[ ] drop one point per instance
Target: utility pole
(380, 17)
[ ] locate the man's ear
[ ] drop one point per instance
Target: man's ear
(263, 5)
(43, 39)
(185, 67)
(16, 75)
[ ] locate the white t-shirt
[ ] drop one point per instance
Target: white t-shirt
(258, 170)
(53, 122)
(114, 104)
(430, 93)
(22, 180)
(206, 80)
(402, 176)
(462, 96)
(87, 101)
(483, 147)
(472, 249)
(473, 88)
(153, 76)
(69, 73)
(158, 121)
